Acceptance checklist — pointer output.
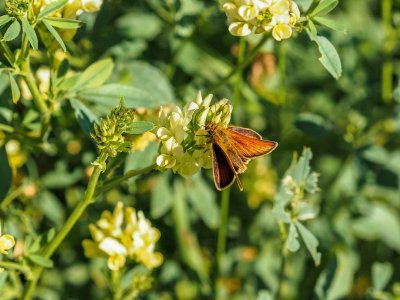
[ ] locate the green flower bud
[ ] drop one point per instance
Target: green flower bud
(109, 135)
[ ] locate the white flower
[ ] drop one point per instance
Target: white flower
(182, 149)
(91, 5)
(260, 16)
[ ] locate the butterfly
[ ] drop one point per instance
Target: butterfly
(232, 148)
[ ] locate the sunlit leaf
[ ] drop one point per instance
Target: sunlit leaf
(55, 34)
(30, 33)
(12, 32)
(51, 7)
(95, 75)
(161, 198)
(310, 241)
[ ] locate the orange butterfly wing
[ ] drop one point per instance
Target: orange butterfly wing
(248, 143)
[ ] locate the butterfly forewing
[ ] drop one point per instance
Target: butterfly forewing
(245, 131)
(224, 175)
(250, 147)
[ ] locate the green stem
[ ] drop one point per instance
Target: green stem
(32, 85)
(108, 185)
(238, 84)
(282, 72)
(14, 266)
(239, 67)
(281, 278)
(223, 227)
(6, 50)
(11, 196)
(116, 285)
(72, 220)
(387, 66)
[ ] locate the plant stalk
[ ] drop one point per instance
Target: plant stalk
(72, 220)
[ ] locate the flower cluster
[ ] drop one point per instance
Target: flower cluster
(121, 235)
(16, 7)
(275, 16)
(110, 134)
(182, 149)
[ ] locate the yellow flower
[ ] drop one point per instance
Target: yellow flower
(7, 241)
(16, 156)
(182, 149)
(124, 235)
(91, 5)
(260, 16)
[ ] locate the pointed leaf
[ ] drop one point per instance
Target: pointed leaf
(55, 34)
(63, 23)
(140, 127)
(15, 92)
(53, 6)
(4, 20)
(329, 57)
(95, 75)
(41, 261)
(311, 242)
(30, 33)
(161, 198)
(324, 7)
(12, 31)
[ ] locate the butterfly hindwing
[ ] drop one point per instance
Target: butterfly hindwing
(224, 176)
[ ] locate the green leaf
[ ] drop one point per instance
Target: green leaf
(12, 31)
(203, 200)
(161, 198)
(51, 207)
(5, 171)
(53, 6)
(381, 222)
(310, 241)
(336, 281)
(3, 278)
(95, 75)
(292, 242)
(110, 94)
(136, 25)
(84, 115)
(332, 24)
(312, 27)
(67, 83)
(151, 80)
(30, 33)
(41, 261)
(55, 34)
(381, 274)
(140, 127)
(63, 23)
(4, 20)
(264, 295)
(15, 92)
(324, 7)
(313, 125)
(329, 57)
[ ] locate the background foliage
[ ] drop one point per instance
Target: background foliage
(164, 52)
